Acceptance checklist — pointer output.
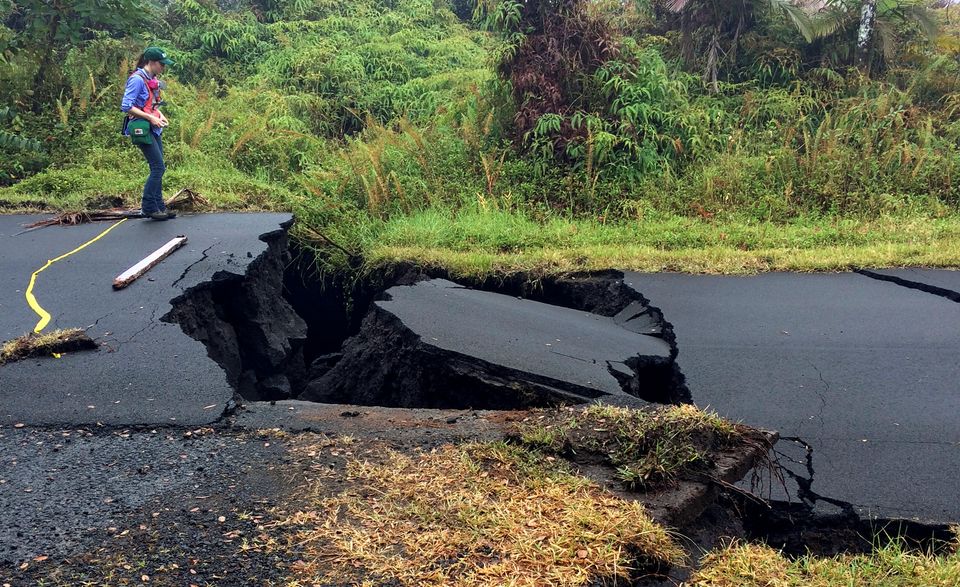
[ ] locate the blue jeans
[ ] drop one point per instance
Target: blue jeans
(153, 189)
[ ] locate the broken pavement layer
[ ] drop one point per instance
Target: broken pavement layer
(147, 371)
(438, 344)
(861, 371)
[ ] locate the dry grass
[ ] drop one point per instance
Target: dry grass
(749, 565)
(473, 515)
(649, 448)
(188, 200)
(44, 345)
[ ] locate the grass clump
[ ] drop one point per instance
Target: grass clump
(894, 565)
(479, 514)
(650, 449)
(45, 345)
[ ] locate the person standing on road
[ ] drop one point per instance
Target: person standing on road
(144, 124)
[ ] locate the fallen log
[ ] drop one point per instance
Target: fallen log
(133, 273)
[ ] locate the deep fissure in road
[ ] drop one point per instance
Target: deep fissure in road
(283, 331)
(797, 529)
(820, 525)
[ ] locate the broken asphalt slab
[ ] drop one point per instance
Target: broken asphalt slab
(147, 371)
(438, 344)
(864, 372)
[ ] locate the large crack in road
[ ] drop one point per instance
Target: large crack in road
(411, 339)
(920, 280)
(416, 340)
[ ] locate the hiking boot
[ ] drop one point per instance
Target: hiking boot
(157, 216)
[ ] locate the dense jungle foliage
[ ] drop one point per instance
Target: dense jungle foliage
(456, 123)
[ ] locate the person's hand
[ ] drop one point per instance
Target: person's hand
(163, 118)
(160, 121)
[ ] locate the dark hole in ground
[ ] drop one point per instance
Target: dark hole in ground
(284, 331)
(798, 529)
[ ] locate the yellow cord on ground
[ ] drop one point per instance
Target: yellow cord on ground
(32, 301)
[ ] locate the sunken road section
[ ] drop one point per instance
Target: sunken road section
(436, 343)
(404, 338)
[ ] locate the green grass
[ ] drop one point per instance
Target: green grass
(650, 449)
(481, 238)
(475, 242)
(747, 565)
(120, 171)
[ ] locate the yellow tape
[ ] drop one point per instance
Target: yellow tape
(32, 300)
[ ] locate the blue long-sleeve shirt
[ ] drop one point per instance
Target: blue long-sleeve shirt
(136, 94)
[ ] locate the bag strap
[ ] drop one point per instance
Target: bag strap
(148, 107)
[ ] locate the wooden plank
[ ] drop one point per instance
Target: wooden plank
(131, 274)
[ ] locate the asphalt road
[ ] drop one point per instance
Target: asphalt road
(146, 371)
(863, 371)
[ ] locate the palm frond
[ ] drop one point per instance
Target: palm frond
(886, 36)
(800, 17)
(830, 21)
(10, 141)
(925, 19)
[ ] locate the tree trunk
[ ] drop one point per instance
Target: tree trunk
(40, 81)
(710, 74)
(686, 37)
(865, 35)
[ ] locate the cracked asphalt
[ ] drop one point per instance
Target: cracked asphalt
(862, 370)
(146, 372)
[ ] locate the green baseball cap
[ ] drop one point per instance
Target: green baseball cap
(157, 54)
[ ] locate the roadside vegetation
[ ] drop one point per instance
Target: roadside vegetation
(506, 135)
(475, 514)
(519, 513)
(749, 565)
(649, 450)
